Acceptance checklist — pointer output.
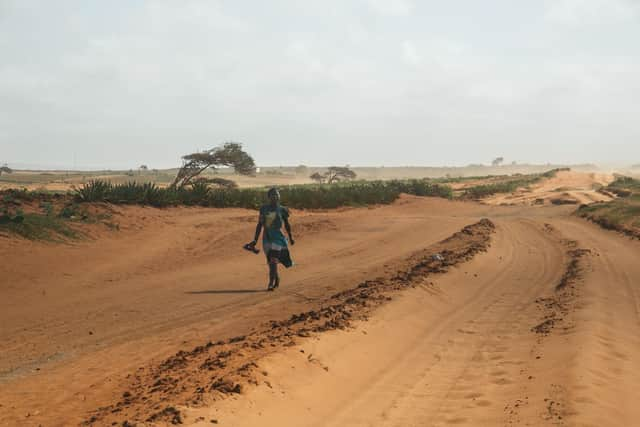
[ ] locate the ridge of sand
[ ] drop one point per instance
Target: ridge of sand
(566, 187)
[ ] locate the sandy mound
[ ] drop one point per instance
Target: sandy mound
(567, 187)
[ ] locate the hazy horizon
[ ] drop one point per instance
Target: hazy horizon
(610, 167)
(112, 85)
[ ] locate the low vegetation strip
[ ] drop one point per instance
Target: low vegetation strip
(214, 370)
(45, 216)
(314, 196)
(508, 185)
(308, 196)
(37, 227)
(40, 223)
(621, 214)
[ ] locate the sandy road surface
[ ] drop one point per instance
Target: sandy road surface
(566, 187)
(460, 350)
(76, 320)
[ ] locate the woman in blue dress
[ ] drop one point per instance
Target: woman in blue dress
(274, 243)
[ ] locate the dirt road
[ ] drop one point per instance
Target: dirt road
(567, 187)
(494, 341)
(465, 350)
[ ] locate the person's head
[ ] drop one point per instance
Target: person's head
(274, 196)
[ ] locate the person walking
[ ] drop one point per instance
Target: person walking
(273, 216)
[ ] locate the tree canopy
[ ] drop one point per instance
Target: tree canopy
(229, 154)
(497, 161)
(317, 177)
(334, 174)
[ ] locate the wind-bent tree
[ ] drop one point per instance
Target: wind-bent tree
(334, 174)
(338, 173)
(5, 169)
(497, 161)
(317, 177)
(229, 154)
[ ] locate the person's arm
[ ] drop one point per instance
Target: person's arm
(258, 230)
(287, 227)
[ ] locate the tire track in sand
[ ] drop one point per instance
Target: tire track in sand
(605, 344)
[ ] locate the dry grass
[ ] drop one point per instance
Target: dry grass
(621, 214)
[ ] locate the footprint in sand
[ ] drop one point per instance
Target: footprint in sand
(620, 356)
(478, 358)
(584, 399)
(457, 420)
(473, 395)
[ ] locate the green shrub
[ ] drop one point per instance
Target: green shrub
(73, 211)
(624, 186)
(47, 208)
(93, 191)
(8, 217)
(37, 227)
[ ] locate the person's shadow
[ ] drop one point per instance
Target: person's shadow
(227, 291)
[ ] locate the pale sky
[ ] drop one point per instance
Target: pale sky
(119, 83)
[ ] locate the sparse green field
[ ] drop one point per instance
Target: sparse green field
(37, 226)
(45, 223)
(505, 184)
(621, 214)
(46, 216)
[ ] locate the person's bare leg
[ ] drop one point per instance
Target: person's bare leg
(274, 279)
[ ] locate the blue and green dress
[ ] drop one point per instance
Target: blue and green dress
(274, 242)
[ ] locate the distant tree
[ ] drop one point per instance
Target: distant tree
(334, 174)
(497, 161)
(142, 168)
(337, 173)
(302, 170)
(317, 177)
(228, 154)
(5, 169)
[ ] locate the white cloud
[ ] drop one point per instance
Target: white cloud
(591, 12)
(410, 53)
(391, 7)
